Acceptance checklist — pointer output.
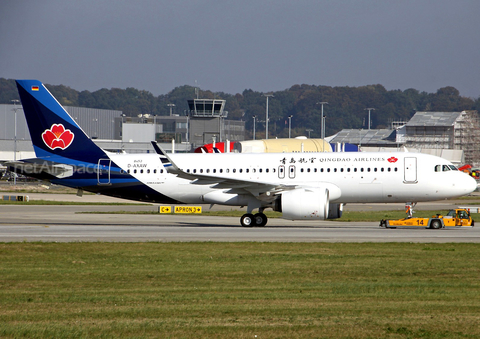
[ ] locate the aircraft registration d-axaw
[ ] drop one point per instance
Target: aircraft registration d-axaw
(300, 185)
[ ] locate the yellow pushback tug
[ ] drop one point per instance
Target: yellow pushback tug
(455, 218)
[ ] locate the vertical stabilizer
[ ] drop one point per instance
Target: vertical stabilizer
(53, 131)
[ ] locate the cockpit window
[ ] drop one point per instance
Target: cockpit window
(438, 168)
(453, 168)
(445, 168)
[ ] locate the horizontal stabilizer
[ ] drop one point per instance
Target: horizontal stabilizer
(38, 168)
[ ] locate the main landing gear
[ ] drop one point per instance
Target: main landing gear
(250, 220)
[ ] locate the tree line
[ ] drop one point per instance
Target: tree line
(345, 109)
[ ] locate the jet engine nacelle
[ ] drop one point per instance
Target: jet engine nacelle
(305, 204)
(335, 211)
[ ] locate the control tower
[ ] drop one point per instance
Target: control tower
(207, 121)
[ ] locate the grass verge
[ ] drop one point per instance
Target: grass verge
(239, 290)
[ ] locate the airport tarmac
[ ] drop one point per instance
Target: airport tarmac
(67, 223)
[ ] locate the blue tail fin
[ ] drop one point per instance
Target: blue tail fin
(53, 131)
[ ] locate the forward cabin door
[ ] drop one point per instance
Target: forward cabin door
(410, 170)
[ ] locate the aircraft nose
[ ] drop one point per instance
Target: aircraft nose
(469, 184)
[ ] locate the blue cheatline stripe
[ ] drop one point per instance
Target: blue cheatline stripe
(125, 189)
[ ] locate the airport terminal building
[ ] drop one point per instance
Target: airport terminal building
(205, 121)
(451, 135)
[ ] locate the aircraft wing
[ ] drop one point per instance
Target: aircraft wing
(265, 191)
(256, 188)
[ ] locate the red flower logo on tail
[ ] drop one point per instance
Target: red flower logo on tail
(392, 159)
(57, 137)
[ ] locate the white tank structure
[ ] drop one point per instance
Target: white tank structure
(298, 144)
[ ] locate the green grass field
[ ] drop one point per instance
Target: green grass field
(239, 290)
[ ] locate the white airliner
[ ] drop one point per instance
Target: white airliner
(300, 185)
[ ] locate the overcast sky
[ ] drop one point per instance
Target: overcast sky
(229, 46)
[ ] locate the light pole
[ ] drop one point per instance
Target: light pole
(186, 135)
(369, 109)
(309, 130)
(289, 125)
(254, 117)
(15, 102)
(322, 121)
(266, 114)
(324, 124)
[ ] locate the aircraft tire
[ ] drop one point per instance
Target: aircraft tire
(247, 220)
(260, 219)
(436, 224)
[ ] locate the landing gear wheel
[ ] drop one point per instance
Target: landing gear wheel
(247, 220)
(260, 219)
(436, 224)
